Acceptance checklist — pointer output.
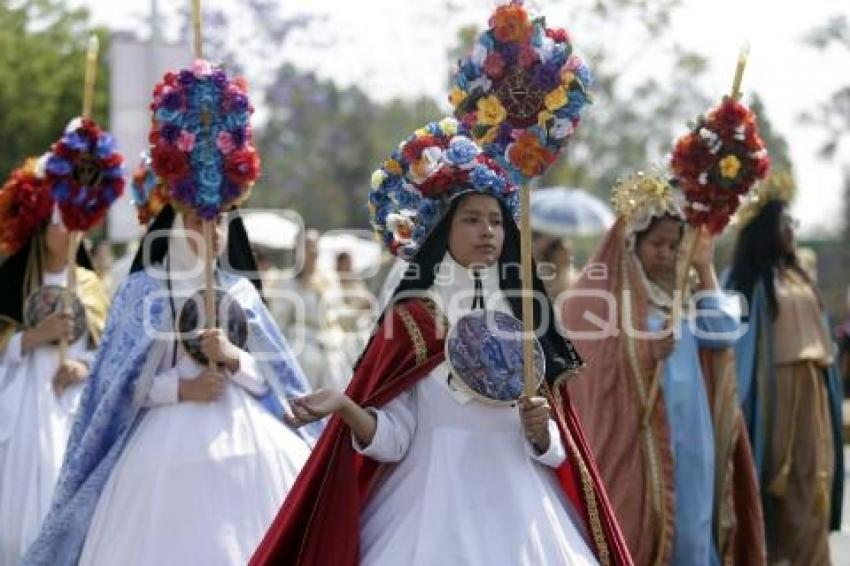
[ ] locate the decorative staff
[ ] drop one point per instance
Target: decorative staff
(521, 93)
(716, 165)
(86, 176)
(202, 149)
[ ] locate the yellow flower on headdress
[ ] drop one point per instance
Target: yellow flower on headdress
(556, 98)
(457, 96)
(491, 112)
(421, 133)
(449, 126)
(730, 166)
(378, 178)
(392, 167)
(544, 117)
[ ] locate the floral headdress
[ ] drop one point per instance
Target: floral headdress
(642, 197)
(25, 203)
(413, 189)
(521, 91)
(86, 174)
(718, 162)
(778, 186)
(201, 139)
(149, 193)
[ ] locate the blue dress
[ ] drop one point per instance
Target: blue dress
(713, 325)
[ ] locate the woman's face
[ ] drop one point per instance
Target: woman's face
(477, 231)
(56, 241)
(658, 248)
(193, 222)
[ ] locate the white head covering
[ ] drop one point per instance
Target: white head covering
(186, 268)
(454, 287)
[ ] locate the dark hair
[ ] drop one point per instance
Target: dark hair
(759, 251)
(559, 352)
(14, 268)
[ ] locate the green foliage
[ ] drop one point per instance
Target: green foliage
(42, 68)
(321, 144)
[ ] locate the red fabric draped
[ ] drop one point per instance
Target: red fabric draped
(319, 523)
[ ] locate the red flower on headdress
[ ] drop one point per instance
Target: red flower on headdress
(243, 166)
(413, 149)
(494, 66)
(442, 181)
(169, 162)
(560, 35)
(25, 203)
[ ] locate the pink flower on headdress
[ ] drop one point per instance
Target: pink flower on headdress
(186, 141)
(573, 63)
(201, 68)
(224, 141)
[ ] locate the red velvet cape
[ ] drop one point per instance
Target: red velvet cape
(319, 523)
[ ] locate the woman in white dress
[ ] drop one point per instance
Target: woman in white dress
(415, 470)
(38, 392)
(172, 462)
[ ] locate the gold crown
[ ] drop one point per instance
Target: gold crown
(644, 189)
(780, 185)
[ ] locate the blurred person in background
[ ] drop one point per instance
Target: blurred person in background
(351, 306)
(103, 260)
(554, 259)
(788, 383)
(298, 307)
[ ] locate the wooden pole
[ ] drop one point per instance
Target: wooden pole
(529, 374)
(197, 24)
(73, 235)
(688, 245)
(743, 55)
(682, 269)
(209, 293)
(208, 228)
(91, 76)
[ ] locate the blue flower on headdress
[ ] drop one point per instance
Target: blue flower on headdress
(58, 166)
(105, 146)
(75, 141)
(585, 75)
(462, 151)
(484, 178)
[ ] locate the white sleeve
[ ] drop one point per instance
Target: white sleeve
(12, 353)
(249, 376)
(165, 389)
(394, 431)
(556, 454)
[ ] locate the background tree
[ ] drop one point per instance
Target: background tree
(832, 115)
(42, 68)
(321, 143)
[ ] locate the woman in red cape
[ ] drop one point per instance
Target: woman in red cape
(358, 499)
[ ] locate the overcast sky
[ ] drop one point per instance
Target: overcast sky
(398, 48)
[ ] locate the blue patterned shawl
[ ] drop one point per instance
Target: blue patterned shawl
(112, 402)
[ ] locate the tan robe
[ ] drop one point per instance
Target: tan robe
(801, 465)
